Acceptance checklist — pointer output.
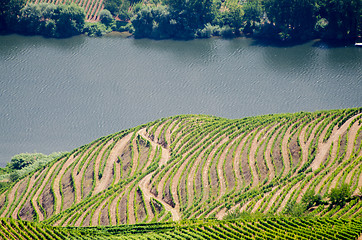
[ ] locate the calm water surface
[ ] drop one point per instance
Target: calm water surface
(59, 94)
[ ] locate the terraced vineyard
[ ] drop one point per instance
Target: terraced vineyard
(260, 228)
(92, 8)
(196, 166)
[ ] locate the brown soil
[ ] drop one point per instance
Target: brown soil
(11, 197)
(36, 195)
(131, 207)
(285, 152)
(98, 212)
(86, 221)
(17, 209)
(27, 212)
(244, 164)
(67, 189)
(268, 158)
(205, 178)
(99, 160)
(277, 157)
(47, 201)
(229, 169)
(126, 161)
(104, 220)
(57, 182)
(295, 150)
(141, 212)
(122, 208)
(108, 175)
(78, 177)
(88, 179)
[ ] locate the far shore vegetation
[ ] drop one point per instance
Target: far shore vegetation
(276, 20)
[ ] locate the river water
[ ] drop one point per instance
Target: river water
(58, 94)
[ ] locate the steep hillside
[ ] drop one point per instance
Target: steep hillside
(195, 166)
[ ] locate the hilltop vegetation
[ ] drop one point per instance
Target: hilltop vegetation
(281, 20)
(196, 166)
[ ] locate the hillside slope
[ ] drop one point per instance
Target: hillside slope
(194, 166)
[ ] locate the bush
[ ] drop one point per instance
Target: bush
(340, 194)
(227, 32)
(95, 29)
(106, 17)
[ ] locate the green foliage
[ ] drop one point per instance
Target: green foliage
(95, 29)
(294, 209)
(9, 13)
(52, 20)
(339, 195)
(311, 199)
(106, 17)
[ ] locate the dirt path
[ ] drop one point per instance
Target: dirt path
(191, 175)
(285, 150)
(144, 183)
(97, 212)
(176, 216)
(323, 151)
(106, 176)
(36, 195)
(78, 177)
(349, 149)
(97, 164)
(11, 197)
(304, 145)
(24, 198)
(168, 132)
(220, 167)
(56, 186)
(252, 160)
(323, 148)
(205, 179)
(268, 159)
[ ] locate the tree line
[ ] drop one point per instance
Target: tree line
(282, 20)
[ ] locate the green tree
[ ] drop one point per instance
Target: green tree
(9, 13)
(106, 17)
(292, 18)
(339, 195)
(344, 18)
(294, 209)
(311, 199)
(254, 11)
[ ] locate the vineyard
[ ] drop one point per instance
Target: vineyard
(199, 167)
(260, 228)
(92, 8)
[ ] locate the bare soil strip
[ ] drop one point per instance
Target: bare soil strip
(117, 149)
(168, 132)
(252, 160)
(324, 148)
(11, 197)
(97, 165)
(285, 150)
(205, 178)
(349, 148)
(268, 159)
(78, 177)
(220, 169)
(17, 209)
(56, 186)
(144, 182)
(36, 195)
